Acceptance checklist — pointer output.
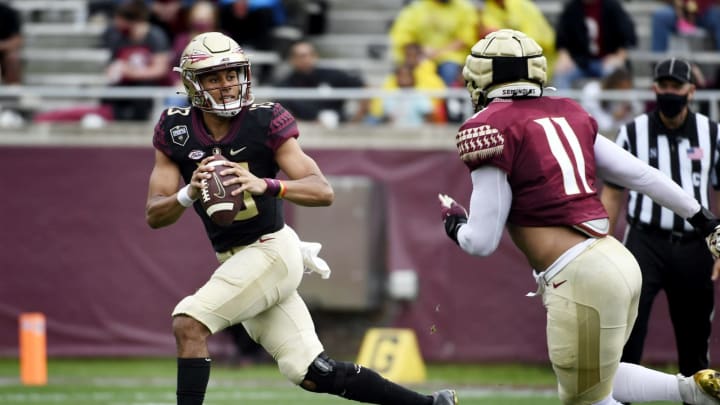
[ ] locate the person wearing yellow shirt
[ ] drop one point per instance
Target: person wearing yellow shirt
(425, 77)
(446, 30)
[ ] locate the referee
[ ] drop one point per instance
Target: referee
(683, 145)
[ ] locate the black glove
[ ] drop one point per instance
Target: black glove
(453, 214)
(707, 225)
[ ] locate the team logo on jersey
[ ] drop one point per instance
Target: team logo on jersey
(196, 154)
(179, 134)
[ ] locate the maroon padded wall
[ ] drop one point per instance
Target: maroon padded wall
(74, 245)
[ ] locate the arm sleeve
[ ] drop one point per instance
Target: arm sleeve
(618, 166)
(489, 209)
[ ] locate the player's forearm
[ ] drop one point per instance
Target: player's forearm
(162, 211)
(311, 191)
(618, 166)
(489, 207)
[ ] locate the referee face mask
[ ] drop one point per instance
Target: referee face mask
(670, 104)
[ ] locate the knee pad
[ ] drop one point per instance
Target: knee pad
(326, 375)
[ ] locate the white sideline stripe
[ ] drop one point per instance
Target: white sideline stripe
(140, 398)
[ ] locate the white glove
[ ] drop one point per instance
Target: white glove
(713, 242)
(311, 260)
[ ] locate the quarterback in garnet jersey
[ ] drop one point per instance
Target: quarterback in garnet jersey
(533, 162)
(253, 138)
(262, 260)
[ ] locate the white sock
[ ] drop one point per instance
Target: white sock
(635, 383)
(608, 401)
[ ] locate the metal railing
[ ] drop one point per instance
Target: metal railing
(34, 97)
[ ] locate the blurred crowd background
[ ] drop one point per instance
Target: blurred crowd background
(402, 57)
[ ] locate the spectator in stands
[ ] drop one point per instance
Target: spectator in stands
(251, 22)
(140, 56)
(402, 108)
(610, 114)
(592, 40)
(305, 73)
(170, 16)
(684, 16)
(521, 15)
(446, 29)
(425, 77)
(201, 17)
(11, 41)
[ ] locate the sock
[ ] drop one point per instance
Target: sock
(192, 380)
(608, 400)
(370, 387)
(634, 383)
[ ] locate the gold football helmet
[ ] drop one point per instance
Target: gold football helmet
(211, 52)
(506, 63)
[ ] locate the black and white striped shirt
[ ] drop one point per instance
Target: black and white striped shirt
(689, 155)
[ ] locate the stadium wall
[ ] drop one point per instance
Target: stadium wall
(74, 245)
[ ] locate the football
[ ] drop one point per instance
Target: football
(216, 199)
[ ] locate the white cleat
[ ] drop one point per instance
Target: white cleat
(445, 397)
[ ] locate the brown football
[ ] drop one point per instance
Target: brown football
(216, 199)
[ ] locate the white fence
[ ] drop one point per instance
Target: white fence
(40, 97)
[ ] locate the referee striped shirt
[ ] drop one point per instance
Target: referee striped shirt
(688, 155)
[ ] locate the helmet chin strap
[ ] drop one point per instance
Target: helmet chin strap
(226, 109)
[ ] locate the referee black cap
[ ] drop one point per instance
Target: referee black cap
(674, 68)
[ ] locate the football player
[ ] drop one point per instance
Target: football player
(533, 162)
(261, 260)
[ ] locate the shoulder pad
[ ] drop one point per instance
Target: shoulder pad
(479, 143)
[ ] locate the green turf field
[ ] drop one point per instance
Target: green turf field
(152, 382)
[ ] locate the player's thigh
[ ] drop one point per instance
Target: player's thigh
(249, 282)
(287, 332)
(589, 319)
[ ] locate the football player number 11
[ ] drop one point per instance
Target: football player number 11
(571, 162)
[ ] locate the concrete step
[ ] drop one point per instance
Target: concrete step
(76, 60)
(64, 79)
(61, 36)
(360, 21)
(366, 4)
(352, 45)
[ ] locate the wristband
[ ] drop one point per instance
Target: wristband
(275, 187)
(183, 197)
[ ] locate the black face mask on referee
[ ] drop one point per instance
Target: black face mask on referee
(670, 105)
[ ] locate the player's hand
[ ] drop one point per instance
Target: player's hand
(247, 181)
(453, 215)
(713, 241)
(708, 225)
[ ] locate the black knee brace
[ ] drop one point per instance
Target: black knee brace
(327, 375)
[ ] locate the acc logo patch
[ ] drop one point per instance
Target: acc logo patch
(196, 154)
(179, 134)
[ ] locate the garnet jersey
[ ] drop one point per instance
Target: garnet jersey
(546, 147)
(254, 136)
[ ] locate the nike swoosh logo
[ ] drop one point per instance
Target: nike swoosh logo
(234, 152)
(221, 189)
(556, 285)
(261, 240)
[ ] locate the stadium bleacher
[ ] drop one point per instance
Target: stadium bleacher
(62, 45)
